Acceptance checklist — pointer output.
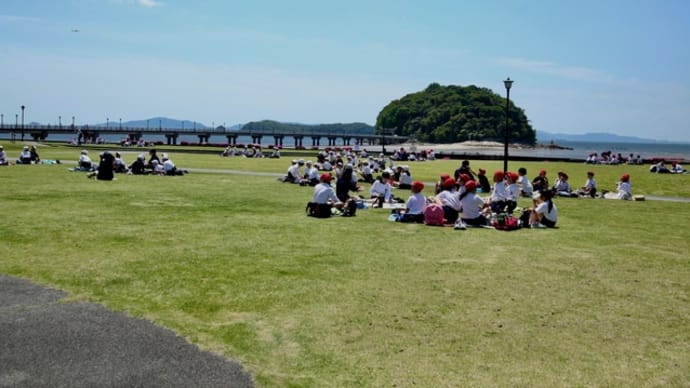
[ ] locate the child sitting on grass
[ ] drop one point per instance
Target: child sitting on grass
(544, 214)
(472, 206)
(414, 208)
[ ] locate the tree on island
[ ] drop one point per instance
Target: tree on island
(449, 114)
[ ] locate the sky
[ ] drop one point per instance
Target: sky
(579, 66)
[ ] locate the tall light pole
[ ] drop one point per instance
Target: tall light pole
(2, 120)
(23, 107)
(120, 124)
(72, 122)
(60, 122)
(147, 125)
(508, 83)
(107, 122)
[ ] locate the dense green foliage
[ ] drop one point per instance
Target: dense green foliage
(449, 114)
(270, 125)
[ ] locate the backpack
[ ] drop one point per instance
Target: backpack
(433, 215)
(506, 222)
(318, 210)
(350, 208)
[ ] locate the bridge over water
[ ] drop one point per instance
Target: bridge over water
(91, 133)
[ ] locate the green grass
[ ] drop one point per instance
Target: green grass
(231, 263)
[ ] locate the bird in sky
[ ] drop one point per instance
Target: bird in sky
(75, 30)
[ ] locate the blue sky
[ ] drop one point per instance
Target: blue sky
(579, 66)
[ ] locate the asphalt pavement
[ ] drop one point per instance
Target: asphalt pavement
(48, 343)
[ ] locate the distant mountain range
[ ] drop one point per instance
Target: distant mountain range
(546, 137)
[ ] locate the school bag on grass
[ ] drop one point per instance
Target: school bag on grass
(433, 215)
(506, 222)
(318, 210)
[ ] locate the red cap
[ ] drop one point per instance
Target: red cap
(625, 177)
(465, 178)
(444, 177)
(499, 175)
(542, 172)
(471, 186)
(513, 176)
(326, 177)
(448, 183)
(418, 186)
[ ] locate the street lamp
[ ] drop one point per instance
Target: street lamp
(60, 122)
(120, 124)
(160, 125)
(72, 122)
(23, 107)
(147, 125)
(107, 122)
(508, 83)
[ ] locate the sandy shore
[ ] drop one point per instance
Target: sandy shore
(465, 145)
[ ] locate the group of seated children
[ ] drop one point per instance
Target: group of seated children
(660, 168)
(109, 164)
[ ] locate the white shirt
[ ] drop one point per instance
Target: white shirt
(323, 192)
(168, 165)
(84, 159)
(405, 179)
(312, 173)
(526, 185)
(450, 198)
(3, 156)
(293, 171)
(380, 188)
(472, 205)
(416, 204)
(543, 209)
(512, 192)
(624, 190)
(591, 183)
(499, 192)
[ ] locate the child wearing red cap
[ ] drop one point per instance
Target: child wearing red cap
(448, 198)
(324, 198)
(540, 182)
(484, 184)
(623, 189)
(497, 200)
(414, 208)
(472, 206)
(439, 183)
(512, 192)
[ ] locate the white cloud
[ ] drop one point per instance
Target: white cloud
(149, 3)
(553, 69)
(19, 19)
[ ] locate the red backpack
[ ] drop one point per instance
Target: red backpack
(433, 215)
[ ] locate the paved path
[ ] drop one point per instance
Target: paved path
(45, 343)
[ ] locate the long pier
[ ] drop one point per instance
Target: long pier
(87, 133)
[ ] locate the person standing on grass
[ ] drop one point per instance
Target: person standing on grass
(544, 214)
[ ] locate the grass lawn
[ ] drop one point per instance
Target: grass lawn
(232, 263)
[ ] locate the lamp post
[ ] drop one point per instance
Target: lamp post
(60, 122)
(147, 125)
(107, 122)
(72, 122)
(2, 120)
(120, 124)
(160, 125)
(508, 83)
(23, 107)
